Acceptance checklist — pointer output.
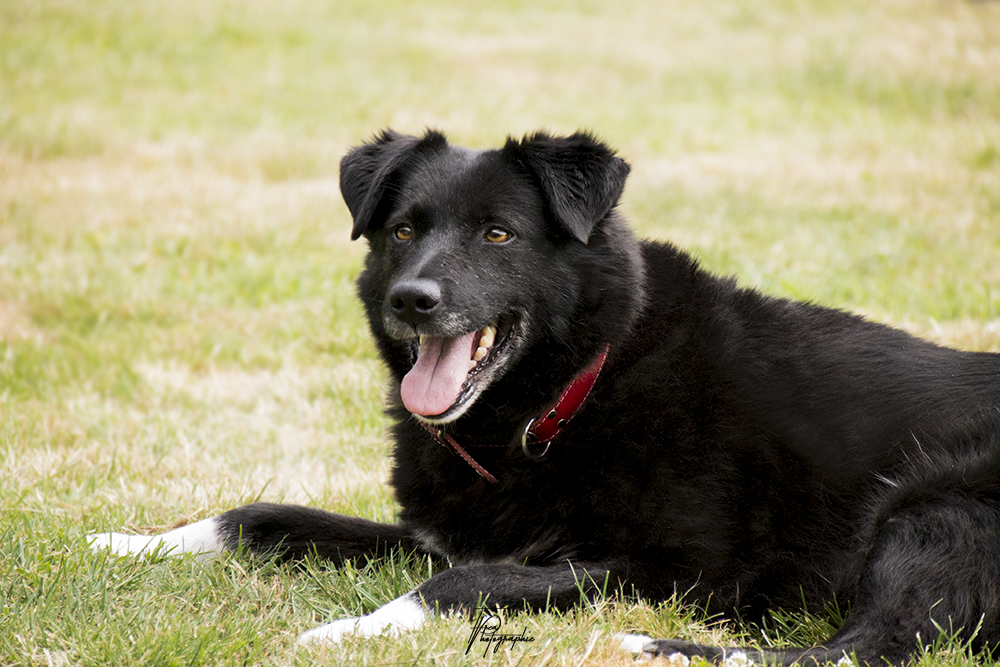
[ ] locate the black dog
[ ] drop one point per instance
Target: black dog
(576, 411)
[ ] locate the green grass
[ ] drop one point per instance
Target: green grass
(178, 331)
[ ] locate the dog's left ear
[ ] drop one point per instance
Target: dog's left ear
(581, 177)
(367, 171)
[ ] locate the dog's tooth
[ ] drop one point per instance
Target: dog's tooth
(472, 364)
(489, 335)
(480, 354)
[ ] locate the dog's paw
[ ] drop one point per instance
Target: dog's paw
(200, 538)
(679, 652)
(646, 647)
(632, 643)
(403, 613)
(123, 544)
(737, 659)
(331, 633)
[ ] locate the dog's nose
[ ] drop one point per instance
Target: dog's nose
(414, 301)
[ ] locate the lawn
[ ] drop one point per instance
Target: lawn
(178, 331)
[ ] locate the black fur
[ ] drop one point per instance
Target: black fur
(750, 452)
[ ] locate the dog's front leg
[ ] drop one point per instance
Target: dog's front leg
(289, 531)
(463, 589)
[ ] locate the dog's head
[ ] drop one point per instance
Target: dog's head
(475, 257)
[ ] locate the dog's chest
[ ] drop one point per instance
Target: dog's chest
(481, 524)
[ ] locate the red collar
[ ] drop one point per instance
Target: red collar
(545, 428)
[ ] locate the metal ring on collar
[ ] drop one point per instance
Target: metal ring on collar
(525, 436)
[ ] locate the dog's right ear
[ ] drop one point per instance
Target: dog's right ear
(367, 171)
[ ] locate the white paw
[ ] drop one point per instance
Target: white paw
(637, 644)
(124, 545)
(334, 632)
(201, 538)
(737, 659)
(632, 643)
(403, 613)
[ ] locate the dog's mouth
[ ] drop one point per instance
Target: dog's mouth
(450, 372)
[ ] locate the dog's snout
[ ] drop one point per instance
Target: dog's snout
(414, 301)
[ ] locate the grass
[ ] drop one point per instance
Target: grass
(178, 333)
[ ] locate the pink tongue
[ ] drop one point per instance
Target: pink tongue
(433, 384)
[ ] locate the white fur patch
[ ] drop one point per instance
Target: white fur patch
(632, 643)
(637, 644)
(201, 538)
(403, 613)
(737, 659)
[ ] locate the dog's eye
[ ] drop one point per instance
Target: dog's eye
(403, 232)
(497, 235)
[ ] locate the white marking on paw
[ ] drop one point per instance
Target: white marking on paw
(403, 613)
(200, 538)
(846, 661)
(632, 643)
(737, 659)
(637, 644)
